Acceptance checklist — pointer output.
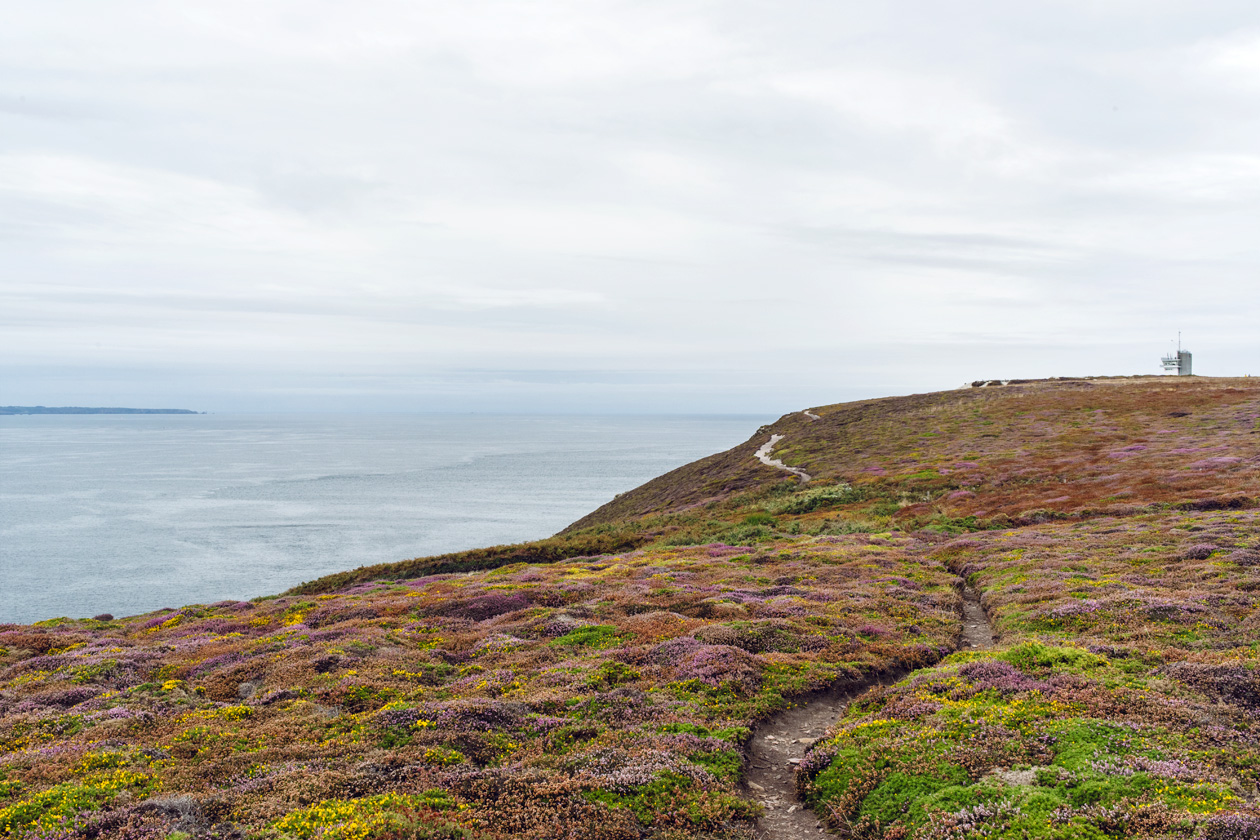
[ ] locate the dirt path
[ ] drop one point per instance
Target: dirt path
(976, 630)
(776, 749)
(811, 415)
(779, 744)
(763, 455)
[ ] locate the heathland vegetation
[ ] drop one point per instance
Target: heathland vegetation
(605, 683)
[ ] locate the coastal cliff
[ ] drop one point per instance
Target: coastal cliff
(1017, 611)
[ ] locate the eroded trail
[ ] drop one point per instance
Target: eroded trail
(763, 455)
(779, 744)
(776, 749)
(976, 630)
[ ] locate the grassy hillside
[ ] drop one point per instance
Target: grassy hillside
(1040, 449)
(603, 683)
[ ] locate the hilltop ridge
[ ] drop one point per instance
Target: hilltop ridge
(1009, 450)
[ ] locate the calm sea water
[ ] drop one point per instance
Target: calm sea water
(125, 514)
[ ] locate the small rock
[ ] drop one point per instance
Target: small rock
(755, 786)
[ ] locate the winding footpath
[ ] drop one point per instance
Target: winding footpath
(777, 747)
(779, 744)
(763, 455)
(976, 632)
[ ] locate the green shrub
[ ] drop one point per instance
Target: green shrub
(1032, 656)
(612, 674)
(598, 636)
(673, 799)
(747, 534)
(822, 497)
(385, 817)
(51, 809)
(903, 794)
(725, 764)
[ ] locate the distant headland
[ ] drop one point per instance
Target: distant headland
(78, 409)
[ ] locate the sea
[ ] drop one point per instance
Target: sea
(124, 514)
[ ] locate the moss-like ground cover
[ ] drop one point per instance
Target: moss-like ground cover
(526, 692)
(1035, 741)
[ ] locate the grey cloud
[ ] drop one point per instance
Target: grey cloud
(679, 199)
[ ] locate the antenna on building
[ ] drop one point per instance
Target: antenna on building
(1178, 363)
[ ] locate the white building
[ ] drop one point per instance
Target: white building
(1177, 363)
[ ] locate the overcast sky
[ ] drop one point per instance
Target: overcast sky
(590, 205)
